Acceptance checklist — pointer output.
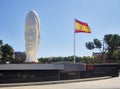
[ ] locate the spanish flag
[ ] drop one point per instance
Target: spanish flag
(81, 27)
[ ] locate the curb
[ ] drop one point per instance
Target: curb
(53, 82)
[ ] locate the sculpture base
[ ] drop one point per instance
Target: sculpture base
(13, 73)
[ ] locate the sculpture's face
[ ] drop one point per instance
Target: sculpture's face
(31, 32)
(31, 37)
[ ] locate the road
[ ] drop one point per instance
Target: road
(112, 83)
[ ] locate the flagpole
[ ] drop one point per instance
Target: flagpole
(74, 44)
(74, 48)
(80, 27)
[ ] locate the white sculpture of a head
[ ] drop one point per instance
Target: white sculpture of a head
(32, 36)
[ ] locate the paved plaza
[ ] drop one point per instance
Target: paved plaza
(111, 83)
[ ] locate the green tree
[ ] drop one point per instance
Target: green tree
(90, 45)
(113, 43)
(116, 54)
(7, 53)
(110, 45)
(97, 44)
(112, 40)
(1, 43)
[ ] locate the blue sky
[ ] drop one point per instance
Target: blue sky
(57, 23)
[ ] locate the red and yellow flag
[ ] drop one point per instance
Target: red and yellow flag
(81, 27)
